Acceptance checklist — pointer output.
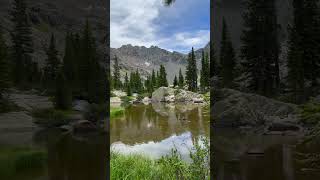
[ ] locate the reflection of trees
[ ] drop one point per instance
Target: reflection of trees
(157, 122)
(71, 159)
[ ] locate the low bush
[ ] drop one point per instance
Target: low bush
(310, 113)
(116, 112)
(51, 117)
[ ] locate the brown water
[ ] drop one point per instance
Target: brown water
(155, 129)
(241, 156)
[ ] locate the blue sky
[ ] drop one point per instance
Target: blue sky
(179, 27)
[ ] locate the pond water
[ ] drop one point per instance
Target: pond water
(154, 130)
(240, 156)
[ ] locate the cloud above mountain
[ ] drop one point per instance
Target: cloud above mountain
(179, 27)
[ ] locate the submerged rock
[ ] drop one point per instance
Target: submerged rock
(84, 126)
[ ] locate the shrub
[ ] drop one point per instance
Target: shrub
(310, 113)
(116, 112)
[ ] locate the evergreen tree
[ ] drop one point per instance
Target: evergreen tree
(63, 96)
(304, 46)
(97, 91)
(116, 74)
(205, 72)
(52, 64)
(181, 79)
(163, 77)
(22, 46)
(227, 57)
(191, 73)
(260, 49)
(154, 79)
(175, 81)
(4, 67)
(70, 62)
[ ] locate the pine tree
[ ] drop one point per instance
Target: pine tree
(175, 81)
(163, 77)
(205, 72)
(181, 79)
(191, 73)
(154, 79)
(52, 64)
(4, 67)
(63, 96)
(70, 62)
(22, 46)
(260, 49)
(304, 45)
(227, 58)
(116, 74)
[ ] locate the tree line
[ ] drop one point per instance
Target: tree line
(135, 84)
(260, 48)
(78, 75)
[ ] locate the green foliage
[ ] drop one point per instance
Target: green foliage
(175, 81)
(52, 65)
(22, 45)
(191, 74)
(181, 79)
(116, 74)
(19, 160)
(5, 80)
(51, 117)
(310, 113)
(63, 96)
(162, 78)
(116, 112)
(227, 58)
(171, 166)
(260, 47)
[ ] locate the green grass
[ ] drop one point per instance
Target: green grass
(51, 117)
(116, 112)
(20, 160)
(169, 167)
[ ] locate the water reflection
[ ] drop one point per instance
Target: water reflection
(155, 129)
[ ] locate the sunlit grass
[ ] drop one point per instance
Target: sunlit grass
(116, 112)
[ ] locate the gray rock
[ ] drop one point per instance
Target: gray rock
(81, 105)
(170, 95)
(234, 109)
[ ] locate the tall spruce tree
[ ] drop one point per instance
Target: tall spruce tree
(154, 79)
(22, 46)
(181, 79)
(191, 73)
(260, 49)
(52, 65)
(304, 49)
(70, 62)
(205, 72)
(63, 94)
(163, 82)
(116, 74)
(5, 81)
(175, 81)
(227, 57)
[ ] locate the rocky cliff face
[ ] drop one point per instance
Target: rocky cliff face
(58, 17)
(146, 59)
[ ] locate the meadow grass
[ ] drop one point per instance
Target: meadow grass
(169, 167)
(20, 160)
(116, 112)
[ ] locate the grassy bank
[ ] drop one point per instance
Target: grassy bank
(116, 112)
(170, 167)
(14, 161)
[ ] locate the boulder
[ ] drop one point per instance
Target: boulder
(171, 95)
(84, 126)
(146, 100)
(115, 100)
(81, 105)
(234, 109)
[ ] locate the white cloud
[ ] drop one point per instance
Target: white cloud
(133, 22)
